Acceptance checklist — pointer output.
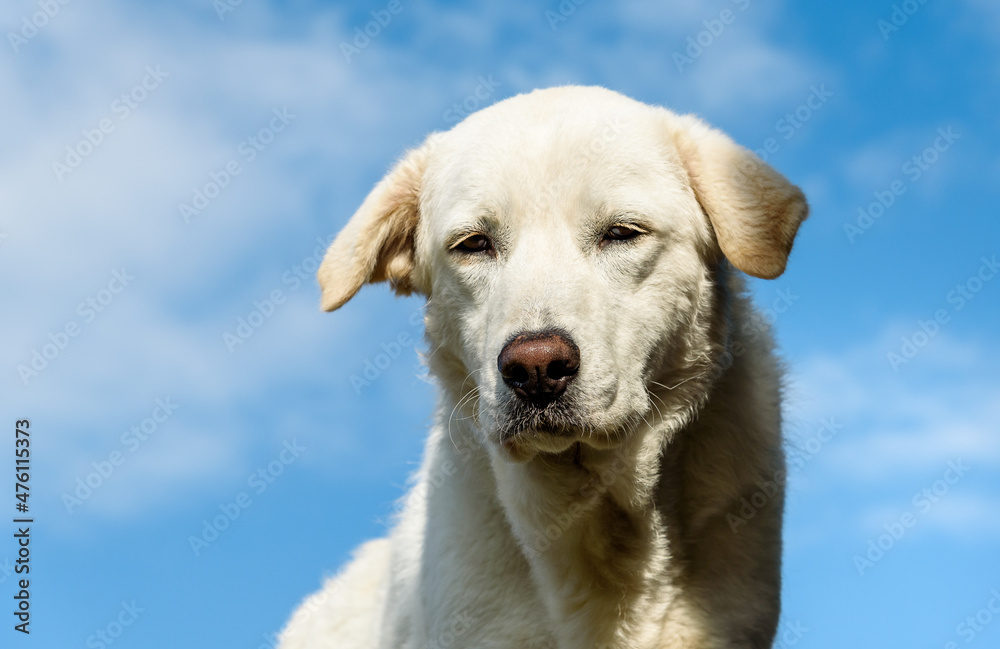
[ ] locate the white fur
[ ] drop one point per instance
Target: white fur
(620, 526)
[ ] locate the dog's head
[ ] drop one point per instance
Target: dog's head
(571, 243)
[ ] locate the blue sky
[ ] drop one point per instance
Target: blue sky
(152, 291)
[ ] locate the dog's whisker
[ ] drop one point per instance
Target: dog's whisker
(674, 387)
(466, 397)
(652, 395)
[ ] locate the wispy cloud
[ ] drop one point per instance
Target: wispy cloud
(946, 406)
(900, 433)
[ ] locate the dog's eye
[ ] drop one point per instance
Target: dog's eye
(474, 243)
(620, 233)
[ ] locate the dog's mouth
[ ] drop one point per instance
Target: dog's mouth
(556, 418)
(524, 430)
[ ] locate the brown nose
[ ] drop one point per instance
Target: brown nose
(538, 366)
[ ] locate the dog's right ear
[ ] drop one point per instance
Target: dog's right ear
(377, 244)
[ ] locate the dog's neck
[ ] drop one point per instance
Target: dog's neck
(591, 512)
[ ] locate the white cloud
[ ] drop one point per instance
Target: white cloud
(967, 515)
(942, 405)
(900, 432)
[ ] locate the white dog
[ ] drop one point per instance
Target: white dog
(608, 395)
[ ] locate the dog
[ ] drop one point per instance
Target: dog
(608, 395)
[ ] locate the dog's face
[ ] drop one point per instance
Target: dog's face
(566, 255)
(570, 243)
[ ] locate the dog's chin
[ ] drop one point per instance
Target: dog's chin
(524, 431)
(525, 444)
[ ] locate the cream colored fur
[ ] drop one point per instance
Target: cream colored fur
(614, 527)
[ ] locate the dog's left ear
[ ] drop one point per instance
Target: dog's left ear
(754, 210)
(377, 244)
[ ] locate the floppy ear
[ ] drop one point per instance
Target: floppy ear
(754, 210)
(377, 244)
